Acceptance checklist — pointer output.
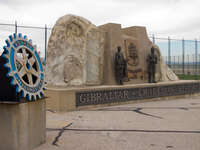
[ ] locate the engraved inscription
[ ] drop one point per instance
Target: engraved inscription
(121, 95)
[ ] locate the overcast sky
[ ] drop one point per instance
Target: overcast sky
(175, 18)
(171, 17)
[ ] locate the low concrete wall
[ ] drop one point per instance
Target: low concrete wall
(64, 99)
(22, 126)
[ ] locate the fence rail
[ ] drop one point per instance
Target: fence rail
(181, 55)
(39, 35)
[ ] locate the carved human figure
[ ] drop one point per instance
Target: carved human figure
(120, 66)
(152, 61)
(73, 30)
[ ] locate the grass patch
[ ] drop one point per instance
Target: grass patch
(188, 77)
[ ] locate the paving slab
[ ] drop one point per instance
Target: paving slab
(159, 125)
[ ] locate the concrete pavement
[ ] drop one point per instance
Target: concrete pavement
(159, 125)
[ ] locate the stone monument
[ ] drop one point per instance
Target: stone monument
(22, 104)
(82, 68)
(75, 54)
(137, 46)
(80, 54)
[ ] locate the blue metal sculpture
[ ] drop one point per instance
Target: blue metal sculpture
(24, 67)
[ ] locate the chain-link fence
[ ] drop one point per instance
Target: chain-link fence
(39, 35)
(182, 56)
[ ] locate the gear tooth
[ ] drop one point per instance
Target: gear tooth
(11, 74)
(41, 94)
(22, 93)
(27, 97)
(5, 48)
(11, 38)
(12, 82)
(20, 35)
(6, 57)
(25, 37)
(6, 65)
(8, 73)
(37, 97)
(32, 98)
(30, 41)
(8, 43)
(14, 35)
(17, 88)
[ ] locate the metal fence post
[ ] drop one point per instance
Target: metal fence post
(196, 51)
(15, 27)
(174, 62)
(153, 39)
(198, 62)
(188, 63)
(178, 64)
(45, 48)
(183, 57)
(169, 52)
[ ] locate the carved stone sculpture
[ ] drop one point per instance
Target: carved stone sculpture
(75, 53)
(80, 54)
(152, 61)
(120, 66)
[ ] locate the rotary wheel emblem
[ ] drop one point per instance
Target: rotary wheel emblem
(25, 67)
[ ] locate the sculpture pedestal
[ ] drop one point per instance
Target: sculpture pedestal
(23, 125)
(76, 98)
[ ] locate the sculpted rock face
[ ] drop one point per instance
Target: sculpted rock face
(79, 53)
(163, 72)
(136, 46)
(75, 53)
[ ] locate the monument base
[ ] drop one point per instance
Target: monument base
(68, 99)
(23, 125)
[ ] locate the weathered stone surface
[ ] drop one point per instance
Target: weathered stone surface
(137, 73)
(163, 73)
(75, 53)
(79, 53)
(137, 67)
(112, 40)
(136, 37)
(23, 125)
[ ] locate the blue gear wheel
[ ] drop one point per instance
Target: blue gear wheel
(25, 67)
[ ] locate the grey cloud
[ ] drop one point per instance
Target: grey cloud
(23, 2)
(157, 15)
